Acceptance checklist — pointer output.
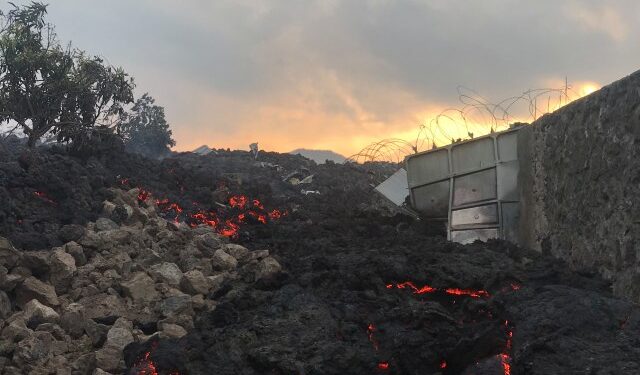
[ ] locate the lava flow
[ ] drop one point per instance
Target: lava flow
(146, 366)
(226, 222)
(429, 289)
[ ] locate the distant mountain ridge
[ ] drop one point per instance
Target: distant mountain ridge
(319, 156)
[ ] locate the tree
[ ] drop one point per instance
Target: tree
(47, 88)
(145, 129)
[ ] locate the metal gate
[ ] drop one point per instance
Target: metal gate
(472, 185)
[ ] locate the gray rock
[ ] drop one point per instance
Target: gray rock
(109, 358)
(10, 281)
(76, 252)
(63, 267)
(168, 273)
(33, 350)
(108, 208)
(5, 305)
(15, 330)
(99, 371)
(32, 288)
(173, 331)
(257, 255)
(140, 288)
(96, 331)
(216, 281)
(9, 256)
(223, 261)
(104, 224)
(102, 305)
(85, 364)
(236, 251)
(175, 305)
(194, 282)
(208, 242)
(119, 336)
(36, 261)
(36, 313)
(267, 268)
(72, 319)
(71, 232)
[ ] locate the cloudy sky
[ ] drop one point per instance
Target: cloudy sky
(335, 74)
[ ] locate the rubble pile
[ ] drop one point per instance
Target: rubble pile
(101, 273)
(74, 308)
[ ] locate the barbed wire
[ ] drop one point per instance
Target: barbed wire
(475, 117)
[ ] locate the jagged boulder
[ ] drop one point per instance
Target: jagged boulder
(32, 288)
(140, 288)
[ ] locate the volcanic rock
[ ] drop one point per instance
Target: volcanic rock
(208, 242)
(10, 281)
(104, 224)
(32, 288)
(120, 335)
(103, 305)
(194, 282)
(168, 273)
(71, 232)
(109, 358)
(256, 255)
(267, 268)
(33, 350)
(236, 251)
(140, 288)
(36, 313)
(172, 331)
(216, 281)
(5, 305)
(37, 262)
(76, 252)
(223, 261)
(63, 267)
(96, 331)
(84, 364)
(9, 256)
(73, 320)
(175, 304)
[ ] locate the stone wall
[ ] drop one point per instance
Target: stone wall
(581, 185)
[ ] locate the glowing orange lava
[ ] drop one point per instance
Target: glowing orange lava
(226, 222)
(429, 289)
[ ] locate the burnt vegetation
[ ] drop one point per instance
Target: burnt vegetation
(277, 265)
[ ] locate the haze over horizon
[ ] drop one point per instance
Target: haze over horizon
(340, 74)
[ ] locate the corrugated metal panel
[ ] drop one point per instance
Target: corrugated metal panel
(508, 146)
(395, 188)
(475, 187)
(432, 200)
(485, 193)
(487, 214)
(508, 181)
(473, 155)
(428, 167)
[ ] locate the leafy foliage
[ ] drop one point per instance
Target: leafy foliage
(145, 129)
(47, 88)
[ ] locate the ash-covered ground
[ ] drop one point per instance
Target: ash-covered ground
(347, 286)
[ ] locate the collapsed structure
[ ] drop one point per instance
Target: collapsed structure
(568, 184)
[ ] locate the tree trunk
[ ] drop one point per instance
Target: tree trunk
(31, 142)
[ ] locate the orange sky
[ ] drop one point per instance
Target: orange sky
(292, 122)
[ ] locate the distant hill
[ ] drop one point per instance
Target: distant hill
(319, 156)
